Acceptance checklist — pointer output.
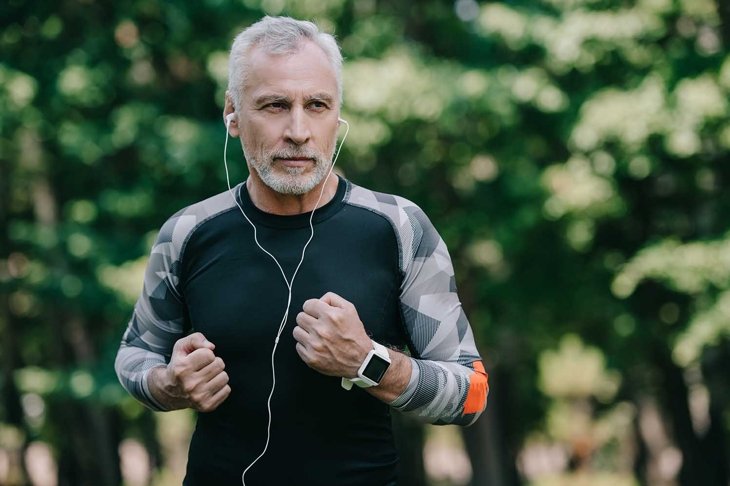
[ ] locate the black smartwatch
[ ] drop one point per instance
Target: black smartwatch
(371, 370)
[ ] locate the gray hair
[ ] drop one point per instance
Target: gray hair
(277, 35)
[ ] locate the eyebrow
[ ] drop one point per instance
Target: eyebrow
(266, 99)
(276, 98)
(320, 96)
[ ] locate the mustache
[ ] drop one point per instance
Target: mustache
(296, 154)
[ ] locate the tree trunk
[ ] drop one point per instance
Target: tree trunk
(674, 395)
(9, 358)
(716, 362)
(409, 440)
(723, 11)
(641, 462)
(486, 441)
(88, 454)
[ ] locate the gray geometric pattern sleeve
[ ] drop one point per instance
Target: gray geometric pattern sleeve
(159, 314)
(448, 382)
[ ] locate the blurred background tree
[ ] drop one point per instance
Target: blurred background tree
(572, 153)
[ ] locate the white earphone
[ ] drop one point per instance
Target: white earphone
(289, 281)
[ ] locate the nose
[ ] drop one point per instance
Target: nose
(297, 131)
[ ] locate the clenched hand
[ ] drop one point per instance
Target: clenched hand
(194, 377)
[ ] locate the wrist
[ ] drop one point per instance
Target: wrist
(396, 379)
(372, 369)
(162, 389)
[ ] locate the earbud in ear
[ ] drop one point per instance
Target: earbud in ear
(342, 120)
(230, 117)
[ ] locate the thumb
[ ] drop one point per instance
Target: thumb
(194, 341)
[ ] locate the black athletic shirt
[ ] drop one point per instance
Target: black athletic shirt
(379, 252)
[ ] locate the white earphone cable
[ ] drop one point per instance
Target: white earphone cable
(289, 282)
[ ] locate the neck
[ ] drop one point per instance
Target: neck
(270, 201)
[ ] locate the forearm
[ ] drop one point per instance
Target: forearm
(133, 366)
(444, 392)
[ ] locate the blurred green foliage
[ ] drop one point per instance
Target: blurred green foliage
(572, 153)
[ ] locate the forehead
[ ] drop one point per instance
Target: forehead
(304, 71)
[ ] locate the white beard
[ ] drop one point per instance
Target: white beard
(293, 181)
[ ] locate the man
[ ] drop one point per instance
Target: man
(264, 332)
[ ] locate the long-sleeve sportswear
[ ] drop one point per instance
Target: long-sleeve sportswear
(378, 251)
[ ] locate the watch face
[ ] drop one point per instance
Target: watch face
(376, 368)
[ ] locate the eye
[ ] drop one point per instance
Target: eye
(276, 106)
(318, 106)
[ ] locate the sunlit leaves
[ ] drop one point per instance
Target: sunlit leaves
(217, 67)
(182, 138)
(707, 328)
(577, 188)
(371, 36)
(575, 370)
(129, 121)
(398, 86)
(690, 268)
(85, 85)
(323, 9)
(699, 269)
(37, 380)
(628, 117)
(82, 211)
(17, 89)
(700, 10)
(125, 280)
(505, 22)
(82, 140)
(575, 37)
(700, 98)
(582, 38)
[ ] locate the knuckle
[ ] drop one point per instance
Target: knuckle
(325, 334)
(201, 397)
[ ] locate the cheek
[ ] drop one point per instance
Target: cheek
(256, 139)
(328, 138)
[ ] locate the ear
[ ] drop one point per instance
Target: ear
(230, 117)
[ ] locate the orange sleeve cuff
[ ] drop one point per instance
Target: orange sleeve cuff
(476, 396)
